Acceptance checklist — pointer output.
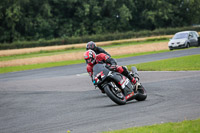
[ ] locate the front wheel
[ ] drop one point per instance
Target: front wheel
(115, 95)
(142, 95)
(188, 45)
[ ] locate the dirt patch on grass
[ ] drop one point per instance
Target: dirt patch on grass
(79, 55)
(138, 48)
(61, 47)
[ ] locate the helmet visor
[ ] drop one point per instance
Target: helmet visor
(89, 48)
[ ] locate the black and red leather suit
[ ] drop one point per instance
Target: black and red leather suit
(103, 58)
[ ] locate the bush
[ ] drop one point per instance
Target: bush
(95, 38)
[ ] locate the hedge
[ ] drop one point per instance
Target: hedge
(95, 38)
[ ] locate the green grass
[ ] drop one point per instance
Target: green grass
(174, 64)
(38, 66)
(138, 54)
(148, 41)
(69, 50)
(187, 126)
(185, 63)
(39, 54)
(62, 63)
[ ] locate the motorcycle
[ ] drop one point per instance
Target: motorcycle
(118, 87)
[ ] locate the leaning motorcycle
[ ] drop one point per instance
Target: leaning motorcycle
(118, 87)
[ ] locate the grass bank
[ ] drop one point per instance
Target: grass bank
(185, 63)
(39, 66)
(73, 49)
(63, 63)
(187, 126)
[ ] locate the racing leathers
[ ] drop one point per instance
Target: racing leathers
(99, 50)
(103, 58)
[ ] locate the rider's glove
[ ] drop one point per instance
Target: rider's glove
(111, 67)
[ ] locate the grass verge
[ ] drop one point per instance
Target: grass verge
(174, 64)
(38, 66)
(148, 41)
(63, 63)
(138, 54)
(69, 50)
(39, 54)
(187, 126)
(185, 63)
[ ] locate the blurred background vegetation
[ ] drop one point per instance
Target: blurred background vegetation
(32, 23)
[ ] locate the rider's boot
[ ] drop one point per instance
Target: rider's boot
(131, 78)
(128, 75)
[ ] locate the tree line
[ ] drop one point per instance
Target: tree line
(25, 20)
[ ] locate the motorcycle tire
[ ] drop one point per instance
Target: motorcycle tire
(113, 96)
(142, 95)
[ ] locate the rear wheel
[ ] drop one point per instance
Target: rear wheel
(142, 95)
(115, 95)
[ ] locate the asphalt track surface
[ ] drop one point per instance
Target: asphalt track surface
(55, 100)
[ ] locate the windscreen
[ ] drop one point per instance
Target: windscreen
(180, 35)
(98, 68)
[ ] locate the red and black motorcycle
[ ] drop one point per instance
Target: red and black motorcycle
(118, 87)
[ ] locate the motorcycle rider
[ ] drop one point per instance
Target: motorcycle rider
(91, 59)
(91, 45)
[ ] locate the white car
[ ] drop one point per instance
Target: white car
(184, 39)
